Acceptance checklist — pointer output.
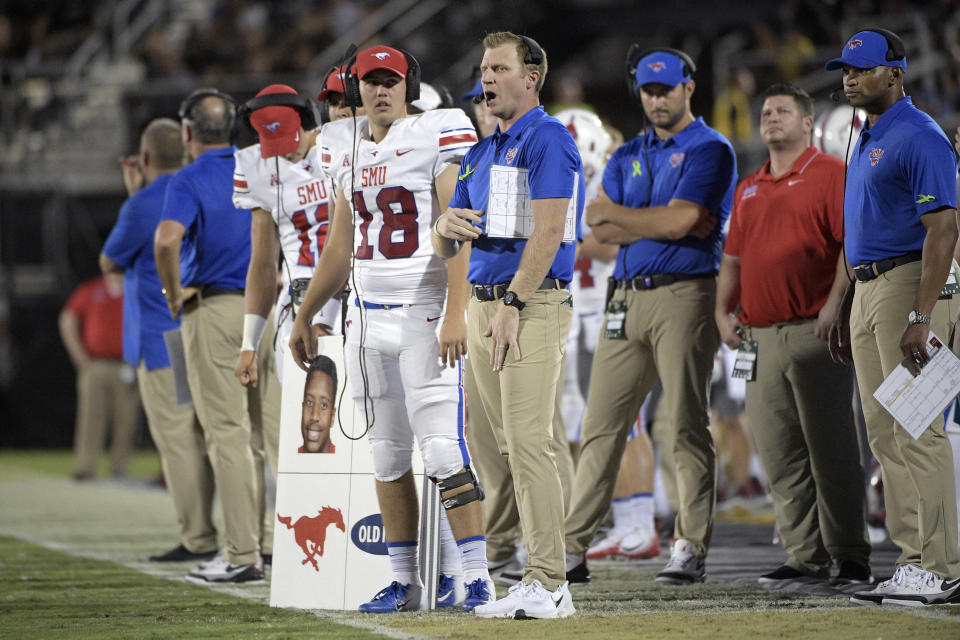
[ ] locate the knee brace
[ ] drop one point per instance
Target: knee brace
(457, 480)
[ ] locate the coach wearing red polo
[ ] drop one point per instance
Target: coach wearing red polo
(780, 264)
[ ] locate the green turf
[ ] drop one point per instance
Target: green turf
(49, 594)
(144, 465)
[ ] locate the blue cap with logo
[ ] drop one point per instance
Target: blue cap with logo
(661, 67)
(865, 50)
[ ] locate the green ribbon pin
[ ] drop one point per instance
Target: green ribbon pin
(636, 169)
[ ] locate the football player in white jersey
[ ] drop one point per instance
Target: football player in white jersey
(401, 171)
(290, 206)
(633, 534)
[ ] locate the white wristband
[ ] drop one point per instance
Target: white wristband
(253, 326)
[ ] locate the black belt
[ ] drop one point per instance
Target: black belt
(872, 270)
(488, 292)
(643, 283)
(209, 292)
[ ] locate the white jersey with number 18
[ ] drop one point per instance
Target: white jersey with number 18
(394, 203)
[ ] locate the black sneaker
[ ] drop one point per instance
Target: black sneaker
(181, 554)
(780, 576)
(784, 575)
(267, 560)
(852, 573)
(577, 571)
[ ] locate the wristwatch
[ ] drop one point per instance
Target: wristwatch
(510, 299)
(915, 317)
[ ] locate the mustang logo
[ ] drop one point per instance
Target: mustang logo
(853, 44)
(311, 533)
(381, 55)
(657, 66)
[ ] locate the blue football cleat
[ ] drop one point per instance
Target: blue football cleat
(479, 592)
(395, 597)
(450, 591)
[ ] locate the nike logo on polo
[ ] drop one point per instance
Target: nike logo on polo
(466, 173)
(403, 153)
(429, 319)
(790, 183)
(922, 199)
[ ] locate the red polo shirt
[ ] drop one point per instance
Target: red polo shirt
(787, 232)
(101, 318)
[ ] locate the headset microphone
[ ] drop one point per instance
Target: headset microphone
(477, 99)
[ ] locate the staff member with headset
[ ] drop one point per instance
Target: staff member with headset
(665, 197)
(198, 211)
(520, 308)
(901, 230)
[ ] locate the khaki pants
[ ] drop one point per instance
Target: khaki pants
(918, 482)
(265, 422)
(105, 397)
(519, 403)
(186, 469)
(670, 334)
(500, 515)
(799, 410)
(212, 330)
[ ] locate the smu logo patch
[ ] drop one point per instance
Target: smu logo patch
(875, 154)
(382, 55)
(853, 44)
(749, 192)
(311, 533)
(657, 67)
(272, 127)
(368, 535)
(511, 154)
(676, 159)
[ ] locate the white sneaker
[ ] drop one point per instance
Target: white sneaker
(219, 558)
(901, 578)
(527, 601)
(220, 570)
(924, 588)
(640, 542)
(684, 567)
(608, 545)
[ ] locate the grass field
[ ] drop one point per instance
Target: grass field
(72, 565)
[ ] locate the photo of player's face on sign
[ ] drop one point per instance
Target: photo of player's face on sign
(319, 408)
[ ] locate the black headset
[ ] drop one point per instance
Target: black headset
(196, 96)
(351, 82)
(534, 54)
(310, 117)
(635, 54)
(895, 49)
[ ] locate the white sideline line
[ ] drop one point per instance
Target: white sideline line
(232, 590)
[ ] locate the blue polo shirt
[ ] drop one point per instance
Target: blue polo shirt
(902, 167)
(541, 144)
(130, 245)
(698, 164)
(216, 246)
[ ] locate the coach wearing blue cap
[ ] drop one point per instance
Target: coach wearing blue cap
(665, 197)
(901, 230)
